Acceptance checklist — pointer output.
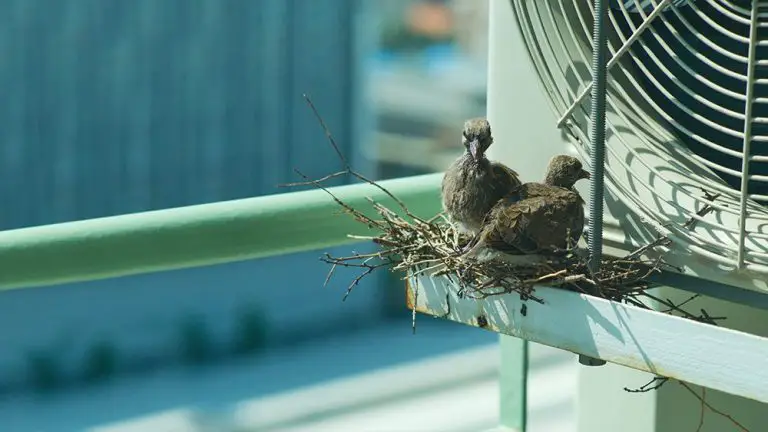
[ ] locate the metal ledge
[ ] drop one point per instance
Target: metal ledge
(198, 235)
(641, 339)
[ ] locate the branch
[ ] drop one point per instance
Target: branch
(713, 409)
(654, 384)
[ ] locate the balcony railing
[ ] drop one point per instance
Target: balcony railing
(309, 220)
(196, 235)
(218, 233)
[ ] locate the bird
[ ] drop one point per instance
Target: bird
(536, 218)
(473, 184)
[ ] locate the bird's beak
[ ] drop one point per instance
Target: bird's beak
(585, 174)
(473, 148)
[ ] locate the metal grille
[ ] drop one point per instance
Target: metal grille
(687, 100)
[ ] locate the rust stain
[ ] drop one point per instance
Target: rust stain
(409, 297)
(408, 294)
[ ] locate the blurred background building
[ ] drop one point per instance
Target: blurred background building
(114, 107)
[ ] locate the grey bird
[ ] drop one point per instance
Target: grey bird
(537, 218)
(473, 184)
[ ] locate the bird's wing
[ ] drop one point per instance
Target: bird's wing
(507, 199)
(499, 169)
(448, 184)
(446, 177)
(533, 224)
(504, 177)
(511, 228)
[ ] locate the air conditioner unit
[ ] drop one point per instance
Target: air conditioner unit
(687, 105)
(687, 112)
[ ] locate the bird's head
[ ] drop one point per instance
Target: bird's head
(565, 171)
(477, 137)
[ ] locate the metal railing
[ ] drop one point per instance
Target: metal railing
(218, 233)
(197, 235)
(223, 232)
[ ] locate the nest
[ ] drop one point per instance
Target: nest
(417, 246)
(414, 245)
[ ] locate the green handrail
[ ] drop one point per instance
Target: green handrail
(198, 235)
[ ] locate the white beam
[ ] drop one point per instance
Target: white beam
(646, 340)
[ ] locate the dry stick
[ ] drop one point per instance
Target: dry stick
(690, 299)
(356, 281)
(344, 205)
(701, 413)
(415, 300)
(662, 240)
(689, 224)
(360, 216)
(713, 409)
(320, 180)
(347, 168)
(330, 273)
(704, 317)
(654, 384)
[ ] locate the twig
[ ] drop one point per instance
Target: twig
(689, 224)
(704, 317)
(653, 384)
(330, 274)
(347, 168)
(713, 409)
(415, 301)
(357, 280)
(701, 414)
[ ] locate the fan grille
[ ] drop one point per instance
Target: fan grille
(687, 98)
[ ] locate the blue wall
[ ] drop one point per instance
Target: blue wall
(113, 106)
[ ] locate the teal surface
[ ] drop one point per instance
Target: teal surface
(513, 384)
(113, 107)
(198, 235)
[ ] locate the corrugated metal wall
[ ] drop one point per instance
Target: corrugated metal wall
(116, 106)
(112, 106)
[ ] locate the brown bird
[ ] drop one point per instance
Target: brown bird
(537, 218)
(473, 184)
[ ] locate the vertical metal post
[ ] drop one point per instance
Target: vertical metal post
(514, 376)
(597, 136)
(746, 147)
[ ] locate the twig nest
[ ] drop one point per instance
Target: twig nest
(417, 246)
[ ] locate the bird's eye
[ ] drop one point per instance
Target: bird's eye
(466, 137)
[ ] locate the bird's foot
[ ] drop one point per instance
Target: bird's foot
(476, 252)
(473, 240)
